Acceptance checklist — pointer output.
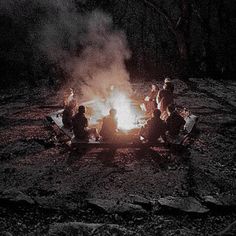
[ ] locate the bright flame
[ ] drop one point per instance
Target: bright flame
(126, 114)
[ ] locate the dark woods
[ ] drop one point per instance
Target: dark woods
(179, 38)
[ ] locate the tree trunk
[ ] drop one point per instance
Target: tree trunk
(183, 49)
(182, 37)
(181, 30)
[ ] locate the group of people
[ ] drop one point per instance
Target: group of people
(165, 120)
(157, 127)
(160, 98)
(78, 123)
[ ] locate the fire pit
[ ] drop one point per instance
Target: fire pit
(130, 116)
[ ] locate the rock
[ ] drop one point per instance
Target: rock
(228, 231)
(71, 206)
(223, 201)
(49, 202)
(72, 228)
(103, 205)
(145, 203)
(211, 201)
(111, 206)
(112, 229)
(80, 228)
(4, 233)
(180, 232)
(128, 208)
(228, 200)
(185, 204)
(16, 196)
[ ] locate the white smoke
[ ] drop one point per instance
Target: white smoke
(102, 60)
(91, 50)
(86, 46)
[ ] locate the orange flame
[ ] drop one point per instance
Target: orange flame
(126, 113)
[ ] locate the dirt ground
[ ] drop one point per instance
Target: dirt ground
(43, 183)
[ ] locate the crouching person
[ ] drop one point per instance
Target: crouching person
(80, 126)
(174, 122)
(154, 129)
(109, 128)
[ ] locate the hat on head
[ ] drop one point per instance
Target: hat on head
(167, 80)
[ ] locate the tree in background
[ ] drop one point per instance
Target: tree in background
(167, 37)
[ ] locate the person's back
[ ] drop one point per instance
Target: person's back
(174, 122)
(169, 85)
(109, 126)
(68, 114)
(80, 123)
(153, 93)
(151, 104)
(155, 128)
(67, 117)
(165, 96)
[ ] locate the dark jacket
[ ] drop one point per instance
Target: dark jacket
(67, 116)
(170, 87)
(165, 98)
(79, 123)
(109, 127)
(174, 123)
(155, 129)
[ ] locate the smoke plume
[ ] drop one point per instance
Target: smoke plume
(86, 46)
(93, 53)
(101, 61)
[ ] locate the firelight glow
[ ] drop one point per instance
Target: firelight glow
(126, 114)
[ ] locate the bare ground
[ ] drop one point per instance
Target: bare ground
(35, 161)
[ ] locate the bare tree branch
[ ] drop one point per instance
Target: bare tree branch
(162, 12)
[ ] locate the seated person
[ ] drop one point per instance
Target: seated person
(68, 97)
(68, 114)
(155, 128)
(169, 85)
(174, 122)
(150, 100)
(165, 97)
(80, 126)
(109, 126)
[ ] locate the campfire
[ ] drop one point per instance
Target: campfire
(129, 113)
